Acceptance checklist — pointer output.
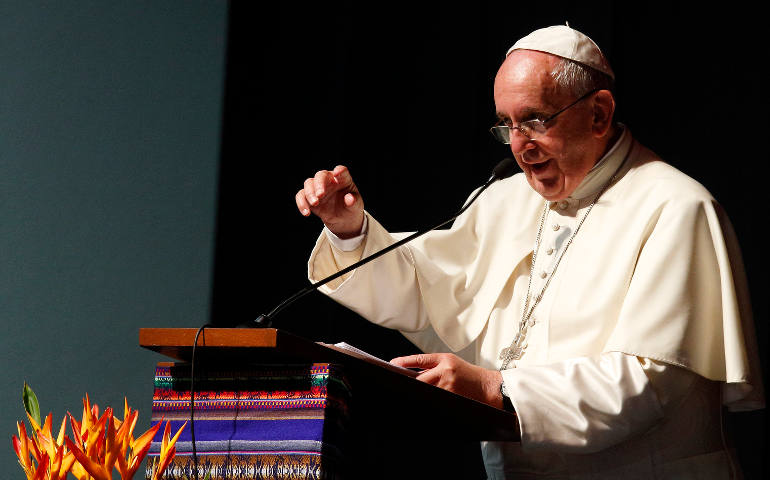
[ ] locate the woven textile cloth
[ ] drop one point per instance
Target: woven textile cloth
(256, 422)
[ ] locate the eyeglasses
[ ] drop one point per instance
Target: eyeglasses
(532, 129)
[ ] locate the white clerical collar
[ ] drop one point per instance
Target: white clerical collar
(605, 167)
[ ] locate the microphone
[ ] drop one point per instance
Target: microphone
(504, 169)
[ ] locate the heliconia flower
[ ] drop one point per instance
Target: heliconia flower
(42, 468)
(23, 452)
(94, 434)
(43, 436)
(126, 427)
(90, 415)
(90, 445)
(138, 450)
(55, 464)
(75, 425)
(78, 471)
(62, 429)
(110, 450)
(35, 450)
(100, 444)
(68, 461)
(94, 468)
(21, 447)
(167, 450)
(35, 425)
(47, 451)
(17, 447)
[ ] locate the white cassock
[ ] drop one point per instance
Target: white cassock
(640, 337)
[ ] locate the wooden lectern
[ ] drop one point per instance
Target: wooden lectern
(397, 420)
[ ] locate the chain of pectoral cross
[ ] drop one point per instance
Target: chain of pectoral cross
(519, 345)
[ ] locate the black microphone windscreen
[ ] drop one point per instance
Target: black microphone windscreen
(505, 168)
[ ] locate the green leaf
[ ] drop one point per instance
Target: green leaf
(30, 403)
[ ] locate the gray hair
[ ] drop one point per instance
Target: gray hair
(578, 79)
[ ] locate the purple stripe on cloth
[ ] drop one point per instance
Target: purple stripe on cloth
(295, 429)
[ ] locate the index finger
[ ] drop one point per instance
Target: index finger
(422, 360)
(342, 175)
(322, 180)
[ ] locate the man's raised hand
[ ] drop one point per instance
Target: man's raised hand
(334, 198)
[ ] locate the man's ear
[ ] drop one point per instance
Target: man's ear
(603, 111)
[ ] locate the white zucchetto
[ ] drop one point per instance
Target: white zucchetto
(565, 42)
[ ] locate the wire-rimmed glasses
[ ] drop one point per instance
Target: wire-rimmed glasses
(532, 129)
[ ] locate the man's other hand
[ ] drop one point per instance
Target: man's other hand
(450, 372)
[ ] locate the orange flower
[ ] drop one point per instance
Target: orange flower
(93, 467)
(21, 447)
(42, 468)
(114, 444)
(99, 444)
(51, 455)
(167, 450)
(136, 449)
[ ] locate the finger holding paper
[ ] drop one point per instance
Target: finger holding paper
(450, 372)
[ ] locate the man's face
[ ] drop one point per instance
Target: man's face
(558, 160)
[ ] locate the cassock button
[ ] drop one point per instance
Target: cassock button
(556, 227)
(563, 204)
(549, 251)
(543, 274)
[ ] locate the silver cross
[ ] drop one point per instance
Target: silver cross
(515, 351)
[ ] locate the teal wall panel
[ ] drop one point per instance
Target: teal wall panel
(110, 119)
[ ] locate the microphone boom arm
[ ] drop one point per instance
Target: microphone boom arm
(502, 170)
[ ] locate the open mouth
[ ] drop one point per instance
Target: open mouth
(539, 167)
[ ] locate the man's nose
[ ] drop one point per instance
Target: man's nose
(520, 142)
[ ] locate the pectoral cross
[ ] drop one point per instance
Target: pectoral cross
(514, 352)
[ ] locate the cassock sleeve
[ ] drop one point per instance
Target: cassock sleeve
(587, 404)
(390, 298)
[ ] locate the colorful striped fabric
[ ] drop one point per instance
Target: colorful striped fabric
(266, 421)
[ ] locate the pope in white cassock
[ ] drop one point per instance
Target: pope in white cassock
(600, 294)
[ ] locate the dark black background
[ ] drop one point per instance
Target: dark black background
(402, 95)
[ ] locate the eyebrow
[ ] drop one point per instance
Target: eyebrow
(528, 114)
